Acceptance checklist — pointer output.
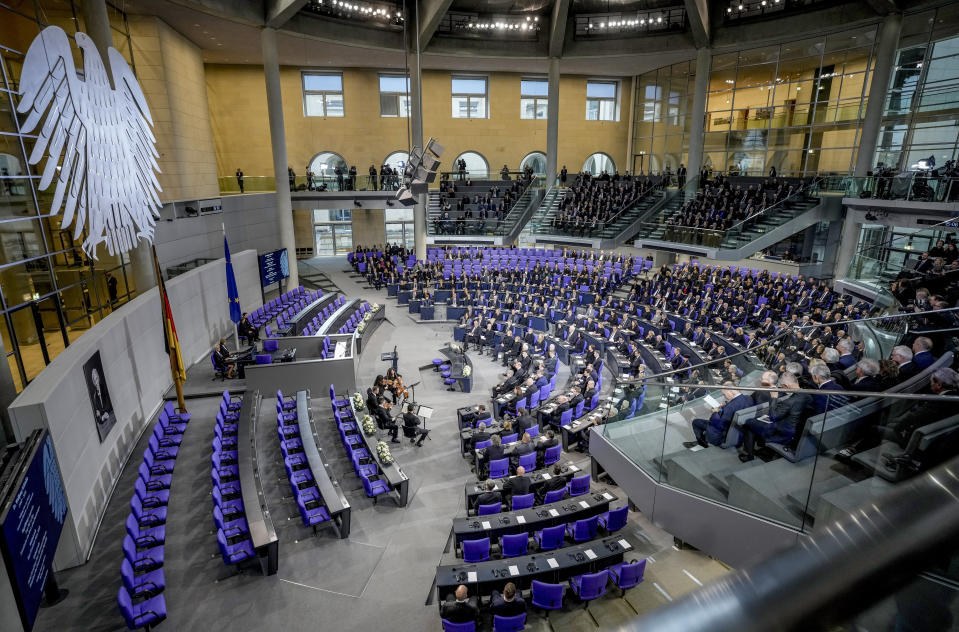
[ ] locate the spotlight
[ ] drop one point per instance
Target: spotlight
(357, 204)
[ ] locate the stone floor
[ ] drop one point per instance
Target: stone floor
(381, 577)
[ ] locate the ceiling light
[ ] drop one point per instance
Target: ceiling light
(740, 7)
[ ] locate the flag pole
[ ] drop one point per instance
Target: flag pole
(161, 288)
(236, 334)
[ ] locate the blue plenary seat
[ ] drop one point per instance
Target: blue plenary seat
(499, 468)
(552, 455)
(614, 519)
(582, 530)
(509, 624)
(555, 495)
(550, 538)
(514, 545)
(143, 561)
(589, 586)
(143, 614)
(374, 488)
(528, 461)
(579, 485)
(490, 509)
(524, 501)
(144, 585)
(476, 550)
(144, 537)
(234, 553)
(449, 626)
(625, 575)
(547, 596)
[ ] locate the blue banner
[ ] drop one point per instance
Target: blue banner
(231, 292)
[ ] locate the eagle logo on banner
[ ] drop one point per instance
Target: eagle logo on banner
(96, 139)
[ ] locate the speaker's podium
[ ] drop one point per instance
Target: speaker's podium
(390, 356)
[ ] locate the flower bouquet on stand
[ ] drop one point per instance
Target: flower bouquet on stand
(375, 307)
(383, 452)
(369, 427)
(467, 370)
(361, 327)
(357, 400)
(367, 317)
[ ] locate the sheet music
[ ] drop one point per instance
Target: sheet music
(711, 401)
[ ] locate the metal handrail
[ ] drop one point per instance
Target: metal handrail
(835, 573)
(769, 208)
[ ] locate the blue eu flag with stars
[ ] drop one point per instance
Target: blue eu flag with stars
(232, 295)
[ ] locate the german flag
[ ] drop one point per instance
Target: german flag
(170, 341)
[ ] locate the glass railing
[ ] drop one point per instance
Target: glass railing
(790, 451)
(608, 228)
(914, 186)
(360, 182)
(743, 231)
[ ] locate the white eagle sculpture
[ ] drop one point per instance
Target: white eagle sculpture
(96, 139)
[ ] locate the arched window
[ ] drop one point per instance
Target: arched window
(324, 164)
(397, 160)
(476, 165)
(537, 162)
(598, 163)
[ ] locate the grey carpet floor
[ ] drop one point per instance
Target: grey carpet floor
(381, 577)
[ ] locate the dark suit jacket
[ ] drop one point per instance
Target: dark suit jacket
(503, 608)
(522, 448)
(524, 423)
(907, 370)
(479, 437)
(867, 383)
(829, 401)
(554, 483)
(383, 417)
(493, 453)
(517, 486)
(488, 498)
(847, 360)
(459, 612)
(788, 411)
(923, 359)
(719, 422)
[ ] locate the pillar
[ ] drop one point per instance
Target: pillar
(274, 106)
(848, 245)
(697, 120)
(552, 122)
(416, 138)
(97, 25)
(885, 61)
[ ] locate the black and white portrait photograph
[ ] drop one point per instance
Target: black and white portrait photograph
(99, 396)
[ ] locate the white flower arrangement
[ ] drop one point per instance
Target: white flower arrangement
(361, 328)
(467, 370)
(357, 401)
(375, 307)
(383, 452)
(368, 426)
(368, 317)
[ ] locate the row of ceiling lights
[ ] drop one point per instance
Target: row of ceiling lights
(619, 23)
(360, 8)
(743, 7)
(530, 24)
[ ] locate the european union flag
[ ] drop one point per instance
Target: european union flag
(231, 292)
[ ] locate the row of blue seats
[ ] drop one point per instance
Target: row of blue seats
(355, 318)
(140, 598)
(314, 325)
(267, 312)
(500, 468)
(363, 462)
(548, 539)
(229, 512)
(547, 597)
(309, 501)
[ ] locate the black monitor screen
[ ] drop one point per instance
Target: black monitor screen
(31, 523)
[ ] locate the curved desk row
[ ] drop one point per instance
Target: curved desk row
(532, 519)
(338, 318)
(333, 498)
(296, 325)
(537, 479)
(392, 473)
(482, 578)
(262, 533)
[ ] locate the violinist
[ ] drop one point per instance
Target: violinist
(380, 382)
(394, 383)
(384, 420)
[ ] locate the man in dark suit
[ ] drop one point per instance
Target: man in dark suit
(524, 422)
(867, 376)
(517, 485)
(384, 420)
(546, 443)
(509, 604)
(902, 356)
(461, 609)
(489, 497)
(846, 347)
(372, 396)
(785, 416)
(830, 399)
(479, 435)
(411, 427)
(922, 352)
(713, 430)
(555, 482)
(493, 453)
(525, 446)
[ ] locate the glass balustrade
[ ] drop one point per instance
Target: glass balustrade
(793, 453)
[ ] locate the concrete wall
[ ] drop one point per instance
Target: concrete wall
(237, 102)
(137, 373)
(251, 224)
(171, 73)
(369, 226)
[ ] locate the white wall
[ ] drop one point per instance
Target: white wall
(137, 372)
(250, 221)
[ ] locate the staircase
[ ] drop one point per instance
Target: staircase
(617, 232)
(652, 226)
(742, 240)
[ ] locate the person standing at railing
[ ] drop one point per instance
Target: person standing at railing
(239, 179)
(372, 185)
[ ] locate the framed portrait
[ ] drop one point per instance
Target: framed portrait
(99, 392)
